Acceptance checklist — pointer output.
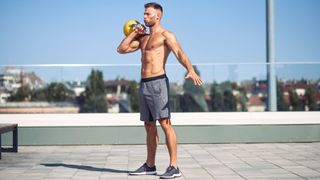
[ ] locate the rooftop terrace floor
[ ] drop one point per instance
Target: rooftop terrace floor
(196, 161)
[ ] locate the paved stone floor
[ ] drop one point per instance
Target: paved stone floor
(196, 161)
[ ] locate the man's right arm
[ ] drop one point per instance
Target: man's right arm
(129, 44)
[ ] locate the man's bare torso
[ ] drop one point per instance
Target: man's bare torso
(154, 54)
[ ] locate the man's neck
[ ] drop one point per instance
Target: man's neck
(155, 28)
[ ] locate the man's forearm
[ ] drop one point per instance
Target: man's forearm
(186, 63)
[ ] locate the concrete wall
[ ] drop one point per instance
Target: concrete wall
(80, 129)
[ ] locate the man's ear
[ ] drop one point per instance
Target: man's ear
(159, 15)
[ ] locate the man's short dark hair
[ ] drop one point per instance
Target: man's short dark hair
(154, 5)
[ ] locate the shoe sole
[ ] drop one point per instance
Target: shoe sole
(144, 173)
(170, 177)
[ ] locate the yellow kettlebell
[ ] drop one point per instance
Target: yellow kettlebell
(129, 26)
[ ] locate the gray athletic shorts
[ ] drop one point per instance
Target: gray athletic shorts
(154, 98)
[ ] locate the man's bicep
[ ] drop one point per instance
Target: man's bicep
(134, 45)
(127, 47)
(173, 44)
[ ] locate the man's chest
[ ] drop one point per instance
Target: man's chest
(150, 42)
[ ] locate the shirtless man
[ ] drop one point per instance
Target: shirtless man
(154, 87)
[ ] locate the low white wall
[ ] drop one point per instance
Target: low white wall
(132, 119)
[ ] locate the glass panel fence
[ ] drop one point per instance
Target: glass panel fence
(114, 88)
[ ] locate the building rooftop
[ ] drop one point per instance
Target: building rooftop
(196, 161)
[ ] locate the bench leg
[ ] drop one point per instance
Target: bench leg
(15, 140)
(0, 146)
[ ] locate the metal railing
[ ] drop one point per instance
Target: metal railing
(243, 84)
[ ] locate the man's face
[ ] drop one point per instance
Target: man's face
(150, 16)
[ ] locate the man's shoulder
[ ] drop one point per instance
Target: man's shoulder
(166, 33)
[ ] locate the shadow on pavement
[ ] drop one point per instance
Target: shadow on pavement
(82, 167)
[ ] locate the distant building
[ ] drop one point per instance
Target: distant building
(117, 95)
(298, 86)
(12, 78)
(78, 87)
(260, 87)
(3, 95)
(255, 104)
(33, 81)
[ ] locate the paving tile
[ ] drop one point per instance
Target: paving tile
(142, 177)
(60, 175)
(228, 177)
(195, 173)
(9, 175)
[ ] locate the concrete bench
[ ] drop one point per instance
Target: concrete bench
(4, 128)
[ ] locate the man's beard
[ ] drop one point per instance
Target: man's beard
(150, 24)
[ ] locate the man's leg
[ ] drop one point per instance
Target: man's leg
(152, 142)
(171, 140)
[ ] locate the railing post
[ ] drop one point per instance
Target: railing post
(271, 75)
(0, 146)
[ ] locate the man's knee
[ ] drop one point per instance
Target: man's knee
(165, 123)
(150, 126)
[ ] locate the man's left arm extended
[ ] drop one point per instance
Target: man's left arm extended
(174, 46)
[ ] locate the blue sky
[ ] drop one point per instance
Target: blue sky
(210, 31)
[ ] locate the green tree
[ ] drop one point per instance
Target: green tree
(296, 103)
(222, 98)
(311, 99)
(39, 95)
(243, 99)
(229, 101)
(134, 99)
(174, 100)
(188, 104)
(226, 85)
(216, 98)
(282, 105)
(57, 92)
(54, 92)
(94, 95)
(22, 94)
(193, 98)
